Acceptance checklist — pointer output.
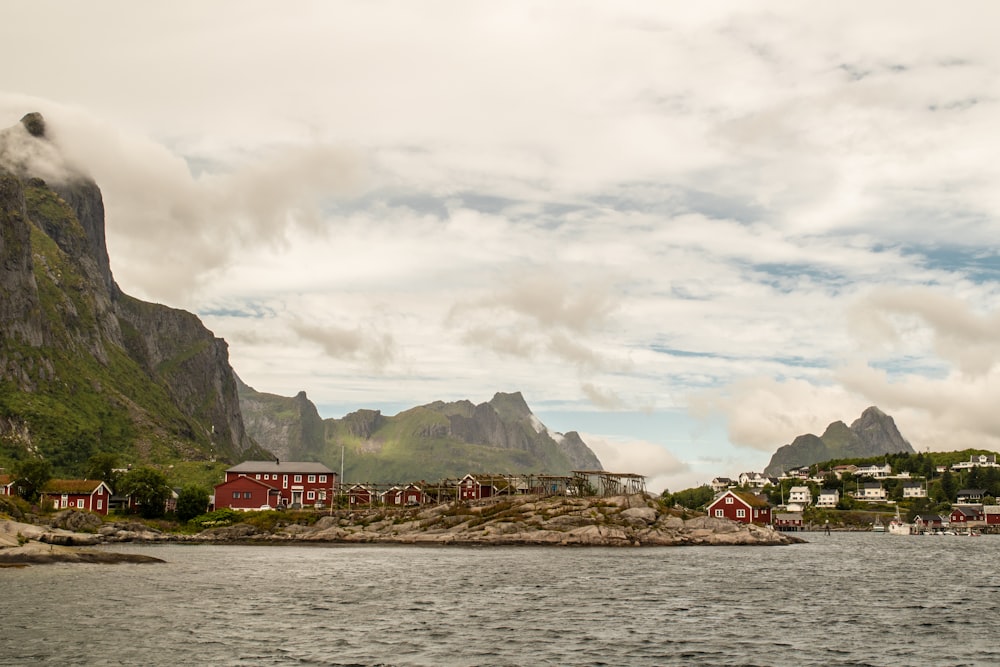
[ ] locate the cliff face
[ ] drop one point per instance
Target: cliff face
(431, 442)
(872, 434)
(85, 368)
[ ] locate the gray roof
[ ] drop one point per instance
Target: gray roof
(290, 467)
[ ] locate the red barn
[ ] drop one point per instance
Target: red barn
(85, 494)
(297, 482)
(740, 506)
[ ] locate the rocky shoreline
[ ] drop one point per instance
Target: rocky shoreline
(558, 521)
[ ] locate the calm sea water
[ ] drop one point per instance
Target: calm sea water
(844, 599)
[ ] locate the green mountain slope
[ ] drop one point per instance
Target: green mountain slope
(429, 442)
(84, 368)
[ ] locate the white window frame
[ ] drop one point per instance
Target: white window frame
(322, 479)
(312, 479)
(298, 479)
(719, 514)
(741, 513)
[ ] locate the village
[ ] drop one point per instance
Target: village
(748, 499)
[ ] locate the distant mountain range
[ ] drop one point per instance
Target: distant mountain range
(428, 442)
(872, 434)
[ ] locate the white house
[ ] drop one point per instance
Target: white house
(876, 471)
(828, 498)
(914, 490)
(978, 460)
(800, 495)
(871, 492)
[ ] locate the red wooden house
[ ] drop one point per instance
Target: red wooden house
(740, 506)
(361, 495)
(965, 514)
(407, 496)
(991, 514)
(85, 494)
(471, 488)
(6, 485)
(246, 493)
(297, 482)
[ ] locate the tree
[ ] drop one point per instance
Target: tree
(102, 466)
(948, 488)
(149, 490)
(30, 477)
(694, 498)
(192, 501)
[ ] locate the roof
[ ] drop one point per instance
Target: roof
(991, 509)
(291, 467)
(967, 511)
(748, 498)
(926, 518)
(799, 489)
(245, 478)
(5, 480)
(86, 486)
(972, 492)
(826, 492)
(788, 516)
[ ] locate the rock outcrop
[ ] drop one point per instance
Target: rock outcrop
(102, 369)
(872, 434)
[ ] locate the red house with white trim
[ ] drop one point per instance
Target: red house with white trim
(361, 494)
(470, 488)
(305, 483)
(407, 496)
(92, 495)
(740, 506)
(6, 485)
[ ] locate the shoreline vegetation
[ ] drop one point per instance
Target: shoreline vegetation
(634, 520)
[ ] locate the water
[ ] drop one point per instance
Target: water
(844, 599)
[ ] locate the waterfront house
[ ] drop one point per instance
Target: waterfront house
(6, 485)
(925, 522)
(991, 515)
(828, 498)
(740, 506)
(85, 494)
(800, 495)
(914, 490)
(298, 482)
(789, 521)
(967, 496)
(247, 493)
(965, 515)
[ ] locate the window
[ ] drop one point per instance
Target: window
(100, 503)
(741, 514)
(729, 500)
(247, 494)
(236, 494)
(310, 495)
(719, 513)
(322, 479)
(79, 503)
(312, 479)
(298, 478)
(258, 475)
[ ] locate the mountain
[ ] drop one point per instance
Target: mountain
(873, 434)
(85, 368)
(431, 442)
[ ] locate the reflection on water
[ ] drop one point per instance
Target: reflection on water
(843, 599)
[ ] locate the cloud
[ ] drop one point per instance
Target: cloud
(606, 399)
(641, 457)
(378, 349)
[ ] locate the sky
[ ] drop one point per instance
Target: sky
(689, 232)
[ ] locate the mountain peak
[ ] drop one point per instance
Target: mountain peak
(872, 434)
(34, 123)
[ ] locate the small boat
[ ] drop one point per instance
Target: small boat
(878, 526)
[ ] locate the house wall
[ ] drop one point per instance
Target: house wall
(733, 507)
(290, 483)
(243, 494)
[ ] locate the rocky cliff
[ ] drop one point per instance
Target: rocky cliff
(84, 368)
(432, 441)
(872, 434)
